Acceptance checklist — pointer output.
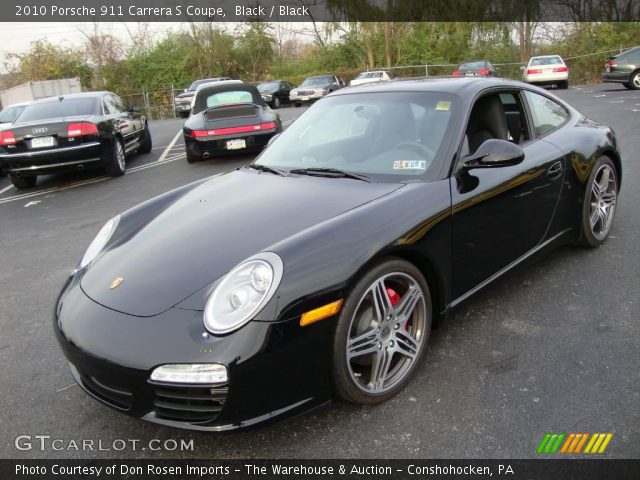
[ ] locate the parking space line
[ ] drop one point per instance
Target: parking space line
(169, 147)
(6, 189)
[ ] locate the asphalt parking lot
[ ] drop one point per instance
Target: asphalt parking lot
(554, 347)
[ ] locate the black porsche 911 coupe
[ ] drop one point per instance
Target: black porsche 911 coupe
(319, 270)
(228, 117)
(70, 133)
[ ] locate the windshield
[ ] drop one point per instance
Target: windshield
(10, 114)
(390, 136)
(268, 87)
(370, 75)
(472, 66)
(317, 81)
(68, 107)
(194, 86)
(228, 98)
(540, 61)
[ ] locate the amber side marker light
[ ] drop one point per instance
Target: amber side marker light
(320, 313)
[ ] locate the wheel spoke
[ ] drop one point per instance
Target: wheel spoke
(406, 343)
(595, 189)
(602, 216)
(364, 344)
(604, 180)
(408, 304)
(593, 218)
(381, 301)
(381, 364)
(608, 198)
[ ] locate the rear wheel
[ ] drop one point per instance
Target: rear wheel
(23, 182)
(634, 82)
(192, 157)
(382, 333)
(564, 85)
(146, 143)
(116, 159)
(297, 104)
(183, 114)
(599, 204)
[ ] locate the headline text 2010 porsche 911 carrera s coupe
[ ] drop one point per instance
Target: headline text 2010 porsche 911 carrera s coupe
(319, 270)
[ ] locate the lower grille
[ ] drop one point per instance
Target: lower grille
(189, 404)
(114, 396)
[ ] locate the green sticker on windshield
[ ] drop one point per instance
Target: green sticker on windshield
(443, 106)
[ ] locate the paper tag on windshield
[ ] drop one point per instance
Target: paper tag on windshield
(410, 165)
(443, 106)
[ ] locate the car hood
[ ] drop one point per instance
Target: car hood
(186, 95)
(174, 245)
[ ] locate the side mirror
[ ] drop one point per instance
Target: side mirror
(494, 153)
(134, 109)
(273, 139)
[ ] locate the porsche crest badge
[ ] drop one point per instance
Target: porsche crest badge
(116, 282)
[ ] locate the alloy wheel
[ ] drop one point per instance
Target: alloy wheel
(636, 80)
(120, 157)
(602, 201)
(386, 333)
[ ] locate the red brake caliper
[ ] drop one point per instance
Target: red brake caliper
(394, 298)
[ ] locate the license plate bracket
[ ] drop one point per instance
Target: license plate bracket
(43, 142)
(236, 144)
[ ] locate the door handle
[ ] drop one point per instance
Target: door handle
(555, 170)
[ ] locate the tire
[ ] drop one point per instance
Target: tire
(627, 85)
(116, 159)
(192, 157)
(23, 182)
(276, 102)
(599, 205)
(564, 85)
(297, 104)
(396, 338)
(183, 114)
(634, 80)
(146, 144)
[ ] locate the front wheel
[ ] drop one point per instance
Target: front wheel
(381, 333)
(276, 102)
(23, 182)
(115, 159)
(599, 204)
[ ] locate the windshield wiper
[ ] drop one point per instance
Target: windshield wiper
(265, 168)
(330, 172)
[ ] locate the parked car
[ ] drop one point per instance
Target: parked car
(183, 101)
(275, 92)
(546, 70)
(228, 117)
(9, 115)
(313, 88)
(72, 132)
(370, 77)
(476, 68)
(624, 68)
(320, 269)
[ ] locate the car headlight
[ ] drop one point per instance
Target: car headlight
(99, 242)
(266, 98)
(243, 292)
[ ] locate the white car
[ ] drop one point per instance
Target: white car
(546, 70)
(370, 77)
(9, 115)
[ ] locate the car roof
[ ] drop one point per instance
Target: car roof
(545, 56)
(462, 86)
(19, 104)
(217, 83)
(71, 96)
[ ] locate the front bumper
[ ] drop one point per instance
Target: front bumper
(275, 369)
(56, 160)
(311, 97)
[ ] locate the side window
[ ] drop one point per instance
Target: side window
(547, 114)
(119, 103)
(111, 105)
(634, 57)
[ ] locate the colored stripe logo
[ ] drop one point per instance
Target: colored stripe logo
(572, 443)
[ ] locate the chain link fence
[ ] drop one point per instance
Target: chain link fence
(586, 68)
